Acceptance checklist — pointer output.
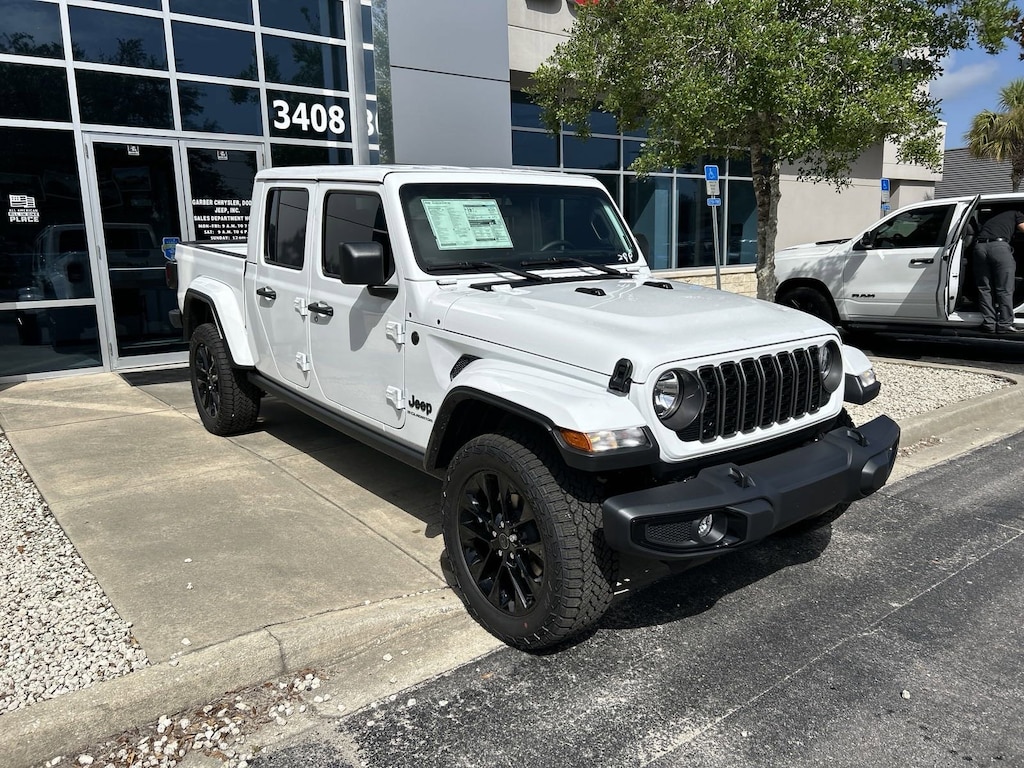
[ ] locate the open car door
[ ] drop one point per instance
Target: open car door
(955, 258)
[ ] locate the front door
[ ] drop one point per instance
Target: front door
(148, 193)
(896, 276)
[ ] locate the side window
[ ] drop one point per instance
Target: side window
(351, 217)
(286, 227)
(918, 228)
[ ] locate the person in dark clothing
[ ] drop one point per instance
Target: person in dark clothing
(994, 271)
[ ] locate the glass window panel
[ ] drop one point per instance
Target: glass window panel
(308, 116)
(229, 10)
(696, 246)
(369, 72)
(648, 211)
(351, 218)
(219, 108)
(602, 122)
(372, 133)
(591, 153)
(31, 28)
(304, 16)
(741, 227)
(531, 148)
(153, 5)
(56, 339)
(918, 228)
(221, 182)
(525, 114)
(34, 93)
(203, 50)
(301, 62)
(740, 166)
(366, 15)
(43, 252)
(286, 225)
(112, 99)
(630, 152)
(123, 39)
(303, 154)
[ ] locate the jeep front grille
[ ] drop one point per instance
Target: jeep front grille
(756, 392)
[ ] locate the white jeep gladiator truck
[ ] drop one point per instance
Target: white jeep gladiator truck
(500, 330)
(910, 272)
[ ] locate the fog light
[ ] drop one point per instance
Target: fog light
(711, 529)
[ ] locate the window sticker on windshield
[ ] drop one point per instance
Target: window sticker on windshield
(463, 224)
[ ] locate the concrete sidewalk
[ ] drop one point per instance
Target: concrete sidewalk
(303, 547)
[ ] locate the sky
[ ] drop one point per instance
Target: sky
(970, 83)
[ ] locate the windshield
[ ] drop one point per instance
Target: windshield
(512, 225)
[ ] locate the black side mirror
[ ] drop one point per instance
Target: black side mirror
(866, 242)
(364, 264)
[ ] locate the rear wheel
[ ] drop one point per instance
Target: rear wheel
(522, 534)
(810, 300)
(227, 402)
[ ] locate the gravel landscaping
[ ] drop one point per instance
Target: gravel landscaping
(59, 632)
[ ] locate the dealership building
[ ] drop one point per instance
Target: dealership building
(129, 125)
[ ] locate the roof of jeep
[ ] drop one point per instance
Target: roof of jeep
(377, 173)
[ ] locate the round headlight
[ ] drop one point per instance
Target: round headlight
(666, 394)
(678, 398)
(830, 366)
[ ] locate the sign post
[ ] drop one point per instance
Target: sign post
(714, 203)
(885, 195)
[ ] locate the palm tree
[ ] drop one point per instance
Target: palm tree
(999, 136)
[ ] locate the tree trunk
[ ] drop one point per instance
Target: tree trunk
(767, 194)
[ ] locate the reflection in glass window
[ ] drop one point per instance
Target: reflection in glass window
(315, 17)
(112, 99)
(34, 92)
(203, 50)
(229, 10)
(741, 226)
(536, 149)
(525, 114)
(351, 218)
(590, 153)
(369, 72)
(123, 39)
(55, 339)
(648, 211)
(221, 182)
(918, 228)
(302, 154)
(286, 227)
(696, 247)
(307, 116)
(301, 62)
(366, 16)
(740, 166)
(219, 108)
(31, 28)
(43, 252)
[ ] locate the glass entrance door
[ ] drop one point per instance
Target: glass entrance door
(146, 191)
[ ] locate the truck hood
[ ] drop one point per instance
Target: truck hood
(648, 325)
(810, 250)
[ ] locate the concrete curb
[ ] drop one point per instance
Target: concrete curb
(69, 723)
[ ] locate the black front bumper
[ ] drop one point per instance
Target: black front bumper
(728, 506)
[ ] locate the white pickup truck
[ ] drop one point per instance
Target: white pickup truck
(500, 329)
(908, 272)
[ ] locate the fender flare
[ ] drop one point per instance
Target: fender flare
(223, 301)
(548, 401)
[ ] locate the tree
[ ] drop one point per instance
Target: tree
(805, 82)
(999, 136)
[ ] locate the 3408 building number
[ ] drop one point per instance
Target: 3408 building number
(314, 117)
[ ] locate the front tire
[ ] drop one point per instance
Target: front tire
(522, 533)
(809, 300)
(226, 401)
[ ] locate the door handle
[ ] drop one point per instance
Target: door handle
(321, 308)
(922, 261)
(267, 293)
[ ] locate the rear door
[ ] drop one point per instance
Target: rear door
(894, 272)
(282, 283)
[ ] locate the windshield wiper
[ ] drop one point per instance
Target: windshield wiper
(488, 266)
(558, 261)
